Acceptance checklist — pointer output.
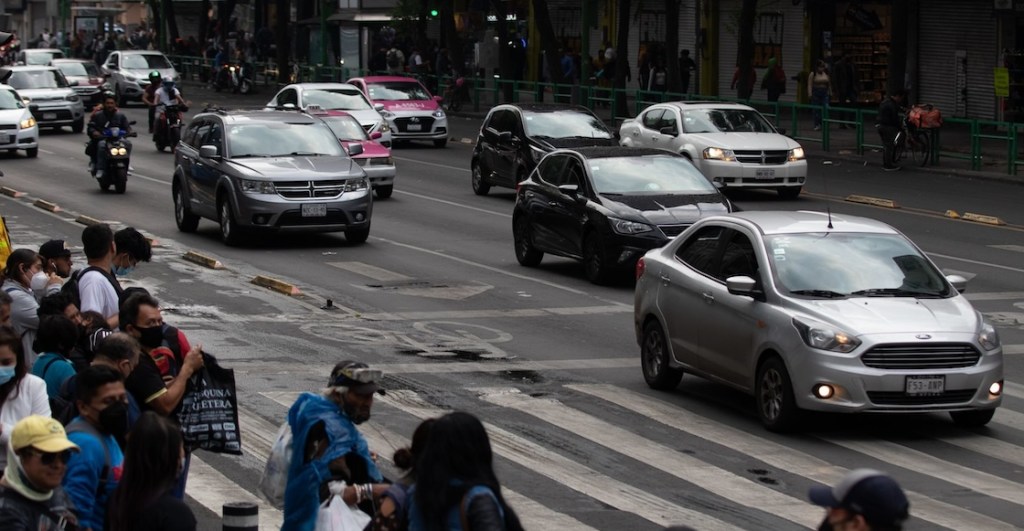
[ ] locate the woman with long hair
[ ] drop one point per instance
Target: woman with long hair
(455, 480)
(21, 266)
(144, 497)
(392, 515)
(21, 394)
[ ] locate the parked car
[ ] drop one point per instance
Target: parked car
(411, 111)
(607, 206)
(129, 72)
(732, 144)
(52, 100)
(268, 171)
(336, 97)
(91, 83)
(18, 129)
(811, 311)
(375, 159)
(514, 137)
(38, 56)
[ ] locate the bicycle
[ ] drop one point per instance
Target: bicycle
(914, 138)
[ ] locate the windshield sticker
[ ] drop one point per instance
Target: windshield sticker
(529, 118)
(779, 251)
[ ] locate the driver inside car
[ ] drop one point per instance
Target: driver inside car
(108, 117)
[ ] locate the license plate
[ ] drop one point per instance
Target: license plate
(764, 174)
(414, 127)
(314, 211)
(925, 385)
(6, 139)
(49, 116)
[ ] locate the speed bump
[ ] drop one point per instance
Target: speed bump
(981, 218)
(87, 220)
(46, 205)
(11, 192)
(873, 201)
(203, 260)
(274, 284)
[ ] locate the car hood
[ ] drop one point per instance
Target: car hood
(44, 94)
(365, 117)
(143, 73)
(667, 209)
(298, 168)
(8, 116)
(408, 105)
(878, 315)
(371, 148)
(552, 144)
(744, 141)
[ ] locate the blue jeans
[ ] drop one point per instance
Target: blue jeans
(819, 97)
(101, 153)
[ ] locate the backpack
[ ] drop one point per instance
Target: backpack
(274, 480)
(393, 60)
(59, 403)
(81, 426)
(70, 287)
(456, 519)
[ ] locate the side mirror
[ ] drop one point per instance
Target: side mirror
(355, 149)
(668, 131)
(378, 107)
(571, 190)
(505, 137)
(208, 152)
(376, 135)
(959, 283)
(744, 286)
(111, 67)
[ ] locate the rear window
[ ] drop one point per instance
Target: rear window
(37, 79)
(345, 127)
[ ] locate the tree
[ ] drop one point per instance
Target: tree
(675, 79)
(450, 38)
(549, 43)
(747, 79)
(898, 46)
(505, 62)
(621, 56)
(204, 23)
(284, 9)
(172, 21)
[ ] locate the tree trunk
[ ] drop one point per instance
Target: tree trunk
(622, 57)
(898, 46)
(204, 24)
(172, 22)
(549, 42)
(450, 38)
(505, 67)
(421, 28)
(157, 18)
(675, 78)
(224, 11)
(281, 36)
(745, 85)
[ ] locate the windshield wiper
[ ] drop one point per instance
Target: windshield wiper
(247, 156)
(823, 293)
(894, 292)
(300, 154)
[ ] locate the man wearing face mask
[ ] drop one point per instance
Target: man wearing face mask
(93, 473)
(863, 500)
(120, 352)
(132, 248)
(30, 493)
(57, 264)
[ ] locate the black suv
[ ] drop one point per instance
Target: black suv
(514, 137)
(270, 170)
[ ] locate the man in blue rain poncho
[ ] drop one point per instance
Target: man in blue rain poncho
(328, 448)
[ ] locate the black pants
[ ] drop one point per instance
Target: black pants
(888, 134)
(152, 117)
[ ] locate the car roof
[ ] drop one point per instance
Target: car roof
(62, 60)
(775, 222)
(22, 68)
(46, 50)
(543, 107)
(602, 152)
(138, 52)
(322, 86)
(259, 115)
(685, 105)
(383, 79)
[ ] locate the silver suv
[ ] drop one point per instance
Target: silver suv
(129, 72)
(52, 99)
(271, 170)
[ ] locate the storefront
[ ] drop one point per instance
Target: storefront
(778, 33)
(958, 52)
(861, 31)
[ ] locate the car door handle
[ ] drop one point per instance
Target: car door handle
(553, 204)
(708, 298)
(636, 133)
(665, 279)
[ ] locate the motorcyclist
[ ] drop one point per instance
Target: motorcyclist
(149, 96)
(166, 95)
(109, 117)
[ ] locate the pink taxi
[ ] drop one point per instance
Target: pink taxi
(411, 111)
(375, 159)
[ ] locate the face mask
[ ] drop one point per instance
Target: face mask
(121, 271)
(114, 419)
(151, 337)
(6, 373)
(38, 282)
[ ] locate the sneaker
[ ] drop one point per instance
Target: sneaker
(92, 167)
(99, 174)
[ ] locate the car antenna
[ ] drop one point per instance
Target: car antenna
(824, 182)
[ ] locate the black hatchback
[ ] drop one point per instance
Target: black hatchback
(607, 206)
(514, 137)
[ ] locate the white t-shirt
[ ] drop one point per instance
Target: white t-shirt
(31, 400)
(97, 294)
(163, 98)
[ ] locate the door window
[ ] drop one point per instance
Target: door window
(669, 120)
(201, 133)
(288, 96)
(552, 169)
(652, 118)
(700, 251)
(190, 134)
(502, 121)
(738, 258)
(215, 137)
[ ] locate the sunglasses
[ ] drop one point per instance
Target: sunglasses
(48, 458)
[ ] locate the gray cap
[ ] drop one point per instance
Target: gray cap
(869, 493)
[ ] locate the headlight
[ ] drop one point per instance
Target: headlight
(73, 97)
(28, 123)
(354, 185)
(380, 161)
(988, 337)
(623, 226)
(796, 154)
(257, 187)
(113, 151)
(384, 127)
(387, 114)
(439, 114)
(714, 153)
(122, 151)
(537, 154)
(822, 336)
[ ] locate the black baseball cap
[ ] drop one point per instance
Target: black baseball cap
(54, 249)
(869, 493)
(357, 376)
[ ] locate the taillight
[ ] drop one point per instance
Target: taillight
(641, 267)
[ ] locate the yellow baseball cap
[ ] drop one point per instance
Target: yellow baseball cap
(42, 433)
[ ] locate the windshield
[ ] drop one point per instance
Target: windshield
(655, 174)
(836, 265)
(146, 61)
(41, 57)
(281, 139)
(340, 99)
(37, 79)
(397, 91)
(725, 121)
(10, 100)
(564, 124)
(75, 69)
(345, 127)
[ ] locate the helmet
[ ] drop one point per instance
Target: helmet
(168, 82)
(154, 76)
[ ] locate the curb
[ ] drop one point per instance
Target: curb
(11, 192)
(874, 201)
(46, 205)
(274, 284)
(981, 218)
(86, 220)
(203, 260)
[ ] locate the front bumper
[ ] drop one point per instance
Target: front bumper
(624, 250)
(51, 114)
(423, 126)
(351, 210)
(19, 138)
(740, 175)
(380, 175)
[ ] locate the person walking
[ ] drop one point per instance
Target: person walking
(863, 500)
(31, 498)
(455, 480)
(845, 84)
(686, 67)
(774, 81)
(153, 462)
(392, 515)
(22, 265)
(819, 86)
(21, 394)
(888, 123)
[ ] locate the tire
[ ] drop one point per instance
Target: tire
(104, 183)
(790, 192)
(78, 126)
(355, 236)
(480, 184)
(595, 264)
(32, 152)
(384, 191)
(175, 136)
(183, 216)
(121, 180)
(899, 146)
(522, 236)
(773, 393)
(654, 359)
(920, 150)
(441, 143)
(972, 419)
(230, 233)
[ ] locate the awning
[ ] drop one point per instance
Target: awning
(96, 11)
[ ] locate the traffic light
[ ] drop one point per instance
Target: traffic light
(433, 12)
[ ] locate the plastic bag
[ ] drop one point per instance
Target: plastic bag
(209, 410)
(336, 515)
(275, 474)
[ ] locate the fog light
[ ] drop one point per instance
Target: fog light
(360, 216)
(996, 388)
(824, 391)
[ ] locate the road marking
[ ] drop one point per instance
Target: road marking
(994, 296)
(264, 367)
(1014, 248)
(1013, 349)
(490, 314)
(367, 270)
(425, 163)
(1013, 389)
(212, 489)
(145, 178)
(1009, 418)
(671, 461)
(774, 454)
(48, 152)
(978, 262)
(453, 203)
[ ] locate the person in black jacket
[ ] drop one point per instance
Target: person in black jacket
(31, 498)
(888, 124)
(109, 117)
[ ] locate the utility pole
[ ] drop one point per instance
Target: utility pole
(323, 31)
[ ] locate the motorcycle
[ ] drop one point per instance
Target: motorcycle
(236, 77)
(116, 171)
(167, 129)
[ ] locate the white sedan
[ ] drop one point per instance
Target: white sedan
(731, 144)
(18, 129)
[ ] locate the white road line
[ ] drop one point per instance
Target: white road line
(978, 262)
(1013, 389)
(263, 367)
(1009, 418)
(436, 165)
(1014, 248)
(490, 314)
(453, 203)
(212, 489)
(367, 270)
(690, 469)
(1013, 349)
(145, 178)
(994, 296)
(775, 454)
(48, 152)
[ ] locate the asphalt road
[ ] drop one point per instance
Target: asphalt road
(436, 298)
